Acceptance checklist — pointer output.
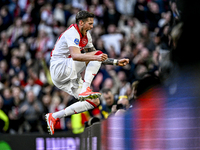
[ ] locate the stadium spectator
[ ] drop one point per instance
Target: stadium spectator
(25, 36)
(107, 78)
(47, 14)
(3, 67)
(15, 30)
(7, 99)
(5, 53)
(72, 17)
(16, 66)
(96, 8)
(124, 84)
(106, 104)
(43, 43)
(112, 40)
(141, 10)
(32, 86)
(122, 106)
(125, 7)
(145, 34)
(6, 18)
(35, 12)
(15, 119)
(153, 15)
(31, 110)
(59, 13)
(130, 25)
(111, 15)
(4, 40)
(165, 19)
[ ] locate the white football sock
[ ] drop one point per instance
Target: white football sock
(59, 114)
(91, 70)
(75, 108)
(79, 107)
(84, 87)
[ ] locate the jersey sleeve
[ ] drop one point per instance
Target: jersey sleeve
(89, 44)
(72, 37)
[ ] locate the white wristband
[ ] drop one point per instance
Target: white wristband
(115, 62)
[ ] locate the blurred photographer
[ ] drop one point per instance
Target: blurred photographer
(121, 106)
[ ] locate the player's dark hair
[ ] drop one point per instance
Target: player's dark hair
(83, 15)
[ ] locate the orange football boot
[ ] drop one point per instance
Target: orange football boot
(50, 122)
(88, 94)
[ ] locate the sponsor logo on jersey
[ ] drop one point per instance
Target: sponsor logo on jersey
(76, 41)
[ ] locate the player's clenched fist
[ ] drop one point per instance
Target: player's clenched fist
(102, 57)
(123, 62)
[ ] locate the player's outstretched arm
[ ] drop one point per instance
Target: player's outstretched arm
(112, 61)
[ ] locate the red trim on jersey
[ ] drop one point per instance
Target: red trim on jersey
(76, 27)
(57, 41)
(93, 104)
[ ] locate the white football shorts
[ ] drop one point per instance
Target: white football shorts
(66, 74)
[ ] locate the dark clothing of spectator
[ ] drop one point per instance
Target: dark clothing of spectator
(153, 19)
(140, 11)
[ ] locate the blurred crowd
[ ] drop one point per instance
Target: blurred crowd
(136, 29)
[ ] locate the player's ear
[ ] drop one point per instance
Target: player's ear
(81, 22)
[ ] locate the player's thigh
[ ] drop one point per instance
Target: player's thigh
(79, 66)
(60, 70)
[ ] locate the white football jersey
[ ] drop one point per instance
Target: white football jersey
(71, 37)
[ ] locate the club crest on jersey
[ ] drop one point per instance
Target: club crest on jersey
(76, 41)
(84, 41)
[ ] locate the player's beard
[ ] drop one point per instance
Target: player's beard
(83, 33)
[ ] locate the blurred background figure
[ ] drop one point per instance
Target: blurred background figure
(123, 104)
(15, 119)
(107, 103)
(31, 110)
(4, 120)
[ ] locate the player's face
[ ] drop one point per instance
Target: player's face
(88, 25)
